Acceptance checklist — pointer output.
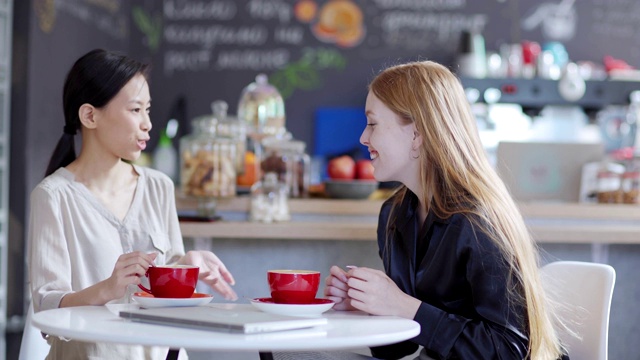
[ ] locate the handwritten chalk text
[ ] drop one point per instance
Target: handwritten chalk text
(258, 60)
(186, 61)
(421, 4)
(199, 10)
(209, 36)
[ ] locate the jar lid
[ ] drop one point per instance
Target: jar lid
(276, 144)
(261, 87)
(231, 128)
(219, 109)
(607, 174)
(204, 124)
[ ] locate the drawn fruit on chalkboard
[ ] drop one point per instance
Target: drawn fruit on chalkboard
(341, 22)
(351, 37)
(305, 10)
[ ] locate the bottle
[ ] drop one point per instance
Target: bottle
(472, 59)
(633, 118)
(165, 157)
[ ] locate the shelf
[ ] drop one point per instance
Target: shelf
(356, 220)
(544, 234)
(296, 206)
(280, 231)
(537, 93)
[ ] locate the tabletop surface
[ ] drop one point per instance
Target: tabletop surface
(345, 329)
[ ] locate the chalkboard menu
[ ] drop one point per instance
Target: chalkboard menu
(323, 53)
(317, 53)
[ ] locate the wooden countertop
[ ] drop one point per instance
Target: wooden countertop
(324, 219)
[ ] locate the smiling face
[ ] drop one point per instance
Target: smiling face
(122, 126)
(391, 141)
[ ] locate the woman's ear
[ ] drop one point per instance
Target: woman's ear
(87, 115)
(417, 140)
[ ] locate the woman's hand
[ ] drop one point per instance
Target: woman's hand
(127, 271)
(372, 291)
(212, 272)
(336, 289)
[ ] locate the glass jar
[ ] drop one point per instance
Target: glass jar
(261, 107)
(630, 186)
(232, 128)
(608, 191)
(207, 162)
(288, 160)
(269, 200)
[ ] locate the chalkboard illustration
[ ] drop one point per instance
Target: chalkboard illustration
(46, 14)
(557, 20)
(340, 22)
(305, 73)
(305, 10)
(105, 15)
(150, 26)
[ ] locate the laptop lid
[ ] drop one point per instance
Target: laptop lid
(545, 171)
(226, 319)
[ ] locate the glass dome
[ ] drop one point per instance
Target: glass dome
(262, 108)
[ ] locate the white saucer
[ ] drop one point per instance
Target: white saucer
(148, 301)
(315, 309)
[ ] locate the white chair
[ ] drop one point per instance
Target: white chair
(584, 291)
(33, 345)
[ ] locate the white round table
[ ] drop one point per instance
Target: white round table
(345, 330)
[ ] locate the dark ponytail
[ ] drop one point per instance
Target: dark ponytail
(63, 155)
(94, 79)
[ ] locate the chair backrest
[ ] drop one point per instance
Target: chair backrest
(584, 291)
(33, 346)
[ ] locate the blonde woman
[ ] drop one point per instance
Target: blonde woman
(457, 256)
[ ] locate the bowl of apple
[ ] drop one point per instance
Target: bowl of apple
(349, 179)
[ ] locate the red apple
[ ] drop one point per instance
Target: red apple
(342, 168)
(364, 170)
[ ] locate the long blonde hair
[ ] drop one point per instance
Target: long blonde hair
(457, 178)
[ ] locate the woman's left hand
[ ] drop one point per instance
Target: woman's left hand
(372, 291)
(212, 272)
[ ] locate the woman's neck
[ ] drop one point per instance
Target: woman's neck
(101, 174)
(422, 210)
(422, 203)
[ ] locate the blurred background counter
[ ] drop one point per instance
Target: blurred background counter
(327, 232)
(356, 220)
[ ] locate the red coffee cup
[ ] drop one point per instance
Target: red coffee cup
(293, 286)
(172, 281)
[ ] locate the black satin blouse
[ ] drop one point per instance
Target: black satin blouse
(460, 277)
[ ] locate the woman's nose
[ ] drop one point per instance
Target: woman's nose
(146, 124)
(364, 137)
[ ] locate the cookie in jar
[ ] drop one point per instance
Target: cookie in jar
(207, 166)
(609, 191)
(631, 187)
